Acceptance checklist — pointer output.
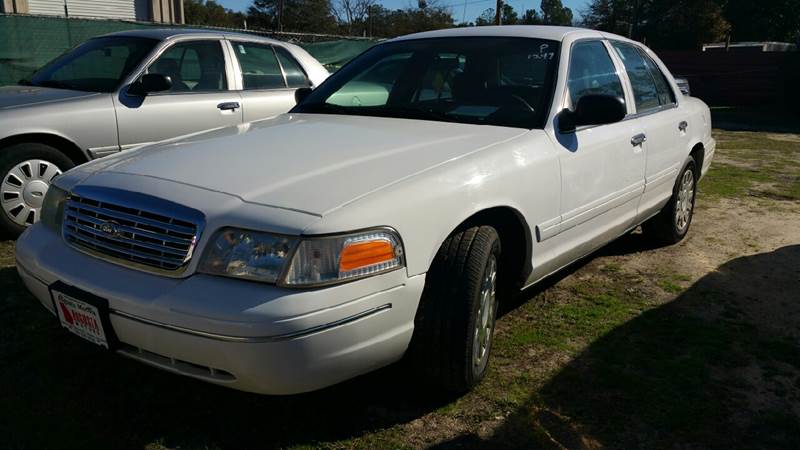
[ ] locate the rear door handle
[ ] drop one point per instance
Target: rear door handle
(683, 125)
(639, 139)
(228, 106)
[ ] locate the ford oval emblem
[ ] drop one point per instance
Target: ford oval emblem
(110, 228)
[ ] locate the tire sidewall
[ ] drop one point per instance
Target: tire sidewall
(679, 234)
(14, 154)
(478, 372)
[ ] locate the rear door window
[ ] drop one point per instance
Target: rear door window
(295, 75)
(665, 94)
(260, 68)
(645, 93)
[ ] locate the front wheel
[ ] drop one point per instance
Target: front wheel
(671, 224)
(27, 171)
(455, 321)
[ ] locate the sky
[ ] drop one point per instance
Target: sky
(473, 7)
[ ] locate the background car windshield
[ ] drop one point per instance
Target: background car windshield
(98, 65)
(493, 81)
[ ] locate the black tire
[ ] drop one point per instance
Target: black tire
(15, 154)
(664, 228)
(445, 324)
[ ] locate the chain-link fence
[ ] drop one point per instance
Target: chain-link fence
(29, 42)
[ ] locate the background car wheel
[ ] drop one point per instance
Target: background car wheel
(26, 170)
(671, 224)
(455, 321)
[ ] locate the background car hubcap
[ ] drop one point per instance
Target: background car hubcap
(486, 310)
(23, 189)
(683, 210)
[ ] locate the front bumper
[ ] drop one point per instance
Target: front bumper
(245, 335)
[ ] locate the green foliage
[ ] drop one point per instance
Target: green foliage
(211, 13)
(309, 16)
(687, 24)
(554, 13)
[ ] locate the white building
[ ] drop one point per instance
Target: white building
(162, 11)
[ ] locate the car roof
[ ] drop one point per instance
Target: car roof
(553, 33)
(167, 33)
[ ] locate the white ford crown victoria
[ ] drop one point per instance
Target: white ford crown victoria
(384, 216)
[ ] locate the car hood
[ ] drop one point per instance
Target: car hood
(311, 163)
(17, 96)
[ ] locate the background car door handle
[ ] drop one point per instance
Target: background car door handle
(683, 125)
(638, 139)
(228, 106)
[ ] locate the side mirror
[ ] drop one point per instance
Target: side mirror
(592, 110)
(150, 82)
(301, 94)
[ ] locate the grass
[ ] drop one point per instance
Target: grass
(618, 352)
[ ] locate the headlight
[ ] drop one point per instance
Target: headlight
(247, 254)
(331, 259)
(314, 261)
(52, 214)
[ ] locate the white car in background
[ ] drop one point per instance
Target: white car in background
(126, 89)
(385, 215)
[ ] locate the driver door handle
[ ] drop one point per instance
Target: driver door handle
(228, 106)
(639, 139)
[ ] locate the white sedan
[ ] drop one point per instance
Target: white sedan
(384, 216)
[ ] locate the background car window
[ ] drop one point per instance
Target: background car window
(98, 65)
(193, 67)
(592, 72)
(372, 87)
(295, 75)
(645, 93)
(665, 94)
(260, 68)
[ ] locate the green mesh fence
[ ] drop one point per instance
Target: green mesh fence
(29, 42)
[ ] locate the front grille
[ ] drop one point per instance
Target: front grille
(124, 231)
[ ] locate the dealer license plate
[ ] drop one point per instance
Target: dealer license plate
(80, 318)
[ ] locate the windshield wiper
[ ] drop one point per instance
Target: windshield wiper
(24, 82)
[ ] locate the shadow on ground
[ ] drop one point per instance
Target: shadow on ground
(58, 392)
(719, 367)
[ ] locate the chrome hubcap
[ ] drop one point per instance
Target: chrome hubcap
(484, 323)
(23, 189)
(683, 210)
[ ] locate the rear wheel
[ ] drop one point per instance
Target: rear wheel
(27, 171)
(455, 321)
(671, 224)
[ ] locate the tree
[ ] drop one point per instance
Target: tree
(486, 18)
(508, 16)
(672, 24)
(555, 13)
(531, 17)
(352, 13)
(211, 13)
(310, 16)
(763, 20)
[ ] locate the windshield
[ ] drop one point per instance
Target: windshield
(97, 65)
(478, 80)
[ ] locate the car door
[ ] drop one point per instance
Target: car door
(200, 97)
(269, 76)
(602, 169)
(665, 125)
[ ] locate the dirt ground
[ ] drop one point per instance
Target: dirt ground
(691, 346)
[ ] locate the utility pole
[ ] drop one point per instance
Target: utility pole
(498, 13)
(280, 15)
